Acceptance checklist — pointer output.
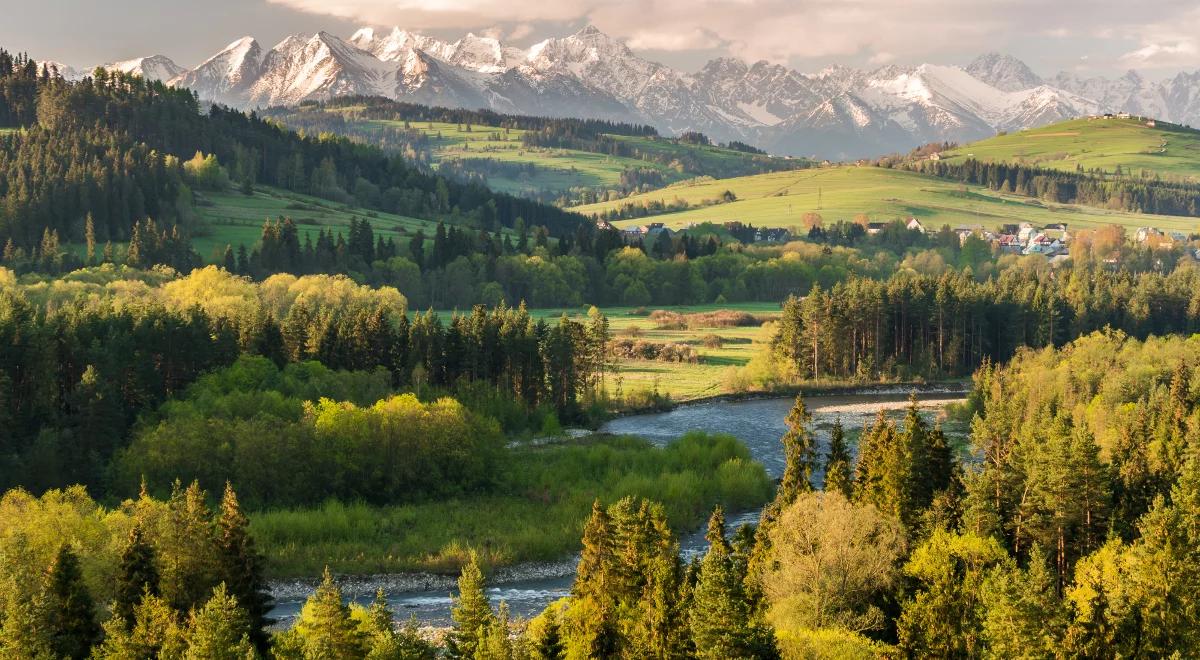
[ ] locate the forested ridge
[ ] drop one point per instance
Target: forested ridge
(113, 145)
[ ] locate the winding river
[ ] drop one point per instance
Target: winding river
(528, 588)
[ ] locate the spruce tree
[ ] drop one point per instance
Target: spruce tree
(137, 575)
(70, 611)
(720, 615)
(471, 612)
(594, 576)
(546, 642)
(241, 568)
(220, 630)
(837, 463)
(800, 453)
(325, 628)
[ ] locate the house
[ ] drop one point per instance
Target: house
(1151, 123)
(652, 227)
(1145, 233)
(875, 227)
(1179, 237)
(604, 225)
(1026, 232)
(1123, 115)
(915, 225)
(935, 156)
(772, 235)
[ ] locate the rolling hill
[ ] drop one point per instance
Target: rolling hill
(840, 193)
(495, 148)
(1170, 150)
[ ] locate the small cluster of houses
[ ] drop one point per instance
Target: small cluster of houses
(1026, 238)
(649, 232)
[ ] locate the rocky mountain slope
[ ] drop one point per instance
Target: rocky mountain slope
(838, 113)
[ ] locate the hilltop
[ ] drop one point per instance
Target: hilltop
(1134, 145)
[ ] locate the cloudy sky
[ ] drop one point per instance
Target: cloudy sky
(1156, 37)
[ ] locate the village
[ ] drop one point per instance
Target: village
(1051, 241)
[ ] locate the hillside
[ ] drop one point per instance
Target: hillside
(1169, 150)
(559, 160)
(841, 193)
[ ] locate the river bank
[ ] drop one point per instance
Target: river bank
(757, 422)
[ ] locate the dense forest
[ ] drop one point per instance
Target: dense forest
(85, 355)
(1137, 194)
(113, 147)
(914, 326)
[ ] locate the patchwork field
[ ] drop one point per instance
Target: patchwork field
(683, 381)
(840, 193)
(1172, 151)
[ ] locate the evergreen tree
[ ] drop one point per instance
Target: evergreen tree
(137, 575)
(325, 628)
(546, 639)
(220, 630)
(471, 611)
(242, 568)
(837, 463)
(70, 612)
(800, 454)
(720, 616)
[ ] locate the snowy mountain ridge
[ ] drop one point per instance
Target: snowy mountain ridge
(838, 113)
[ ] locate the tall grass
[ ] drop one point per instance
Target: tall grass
(536, 514)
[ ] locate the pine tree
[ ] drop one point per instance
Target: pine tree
(241, 568)
(471, 611)
(70, 611)
(800, 452)
(89, 237)
(496, 643)
(325, 628)
(837, 463)
(719, 615)
(595, 575)
(220, 630)
(137, 575)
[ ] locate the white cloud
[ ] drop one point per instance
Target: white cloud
(881, 58)
(781, 30)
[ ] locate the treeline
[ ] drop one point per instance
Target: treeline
(379, 108)
(18, 89)
(923, 326)
(86, 355)
(306, 434)
(1123, 193)
(151, 578)
(59, 168)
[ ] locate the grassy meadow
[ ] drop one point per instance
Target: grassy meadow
(542, 497)
(840, 193)
(555, 169)
(231, 218)
(681, 380)
(1171, 151)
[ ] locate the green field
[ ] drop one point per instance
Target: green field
(683, 381)
(231, 218)
(556, 170)
(1105, 144)
(839, 193)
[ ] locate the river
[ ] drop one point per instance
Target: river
(528, 588)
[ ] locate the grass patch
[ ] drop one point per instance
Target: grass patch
(1169, 150)
(840, 193)
(542, 498)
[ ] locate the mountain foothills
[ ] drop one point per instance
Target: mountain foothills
(837, 113)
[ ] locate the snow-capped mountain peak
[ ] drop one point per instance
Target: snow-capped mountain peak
(840, 112)
(1004, 72)
(155, 67)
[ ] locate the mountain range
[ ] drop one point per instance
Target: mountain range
(838, 113)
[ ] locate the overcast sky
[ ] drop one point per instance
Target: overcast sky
(1156, 37)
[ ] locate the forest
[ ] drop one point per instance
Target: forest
(1129, 193)
(112, 147)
